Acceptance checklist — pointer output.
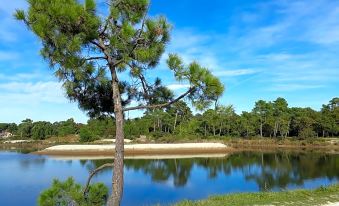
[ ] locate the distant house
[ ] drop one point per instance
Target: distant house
(5, 135)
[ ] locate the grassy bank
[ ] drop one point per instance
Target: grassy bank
(320, 196)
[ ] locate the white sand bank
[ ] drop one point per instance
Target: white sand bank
(16, 141)
(193, 148)
(137, 147)
(112, 140)
(145, 157)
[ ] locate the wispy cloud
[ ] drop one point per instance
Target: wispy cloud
(237, 72)
(31, 93)
(177, 86)
(25, 77)
(293, 87)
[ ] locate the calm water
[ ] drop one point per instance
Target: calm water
(147, 182)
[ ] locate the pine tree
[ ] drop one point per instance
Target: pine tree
(88, 52)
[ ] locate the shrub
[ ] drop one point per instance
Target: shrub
(307, 133)
(71, 193)
(86, 135)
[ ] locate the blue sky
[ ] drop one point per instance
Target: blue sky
(259, 49)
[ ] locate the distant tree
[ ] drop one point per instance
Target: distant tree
(180, 112)
(3, 126)
(247, 124)
(41, 130)
(225, 118)
(101, 127)
(87, 135)
(303, 122)
(12, 128)
(25, 128)
(263, 112)
(280, 116)
(88, 51)
(211, 124)
(67, 127)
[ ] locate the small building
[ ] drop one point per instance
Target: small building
(5, 135)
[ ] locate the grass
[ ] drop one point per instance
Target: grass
(318, 196)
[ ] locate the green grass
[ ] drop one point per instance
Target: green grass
(318, 196)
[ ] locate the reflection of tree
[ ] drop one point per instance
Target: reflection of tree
(268, 170)
(26, 163)
(162, 170)
(282, 169)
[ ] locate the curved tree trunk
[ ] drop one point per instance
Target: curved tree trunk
(118, 168)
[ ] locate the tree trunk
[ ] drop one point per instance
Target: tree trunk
(260, 129)
(118, 168)
(220, 129)
(175, 120)
(275, 129)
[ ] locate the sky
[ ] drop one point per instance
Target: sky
(259, 49)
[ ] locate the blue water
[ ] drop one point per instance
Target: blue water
(148, 182)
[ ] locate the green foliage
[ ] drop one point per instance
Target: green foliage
(9, 127)
(67, 127)
(86, 135)
(70, 193)
(42, 130)
(306, 133)
(80, 46)
(25, 128)
(177, 122)
(206, 87)
(136, 127)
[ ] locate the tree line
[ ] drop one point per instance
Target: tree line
(273, 119)
(41, 130)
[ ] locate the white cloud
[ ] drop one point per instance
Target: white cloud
(24, 76)
(177, 86)
(294, 87)
(231, 73)
(31, 93)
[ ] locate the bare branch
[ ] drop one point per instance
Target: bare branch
(98, 45)
(144, 85)
(93, 173)
(160, 105)
(94, 58)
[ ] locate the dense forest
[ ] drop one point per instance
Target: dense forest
(267, 119)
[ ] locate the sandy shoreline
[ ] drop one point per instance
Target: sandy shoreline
(136, 149)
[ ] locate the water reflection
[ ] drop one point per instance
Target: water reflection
(268, 170)
(148, 182)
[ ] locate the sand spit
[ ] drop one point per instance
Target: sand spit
(144, 157)
(16, 141)
(136, 149)
(112, 141)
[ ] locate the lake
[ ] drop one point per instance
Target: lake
(147, 182)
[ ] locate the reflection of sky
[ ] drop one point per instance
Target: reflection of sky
(23, 177)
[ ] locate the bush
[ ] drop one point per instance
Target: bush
(70, 193)
(86, 135)
(307, 133)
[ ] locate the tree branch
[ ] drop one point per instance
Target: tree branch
(160, 105)
(93, 173)
(94, 58)
(98, 45)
